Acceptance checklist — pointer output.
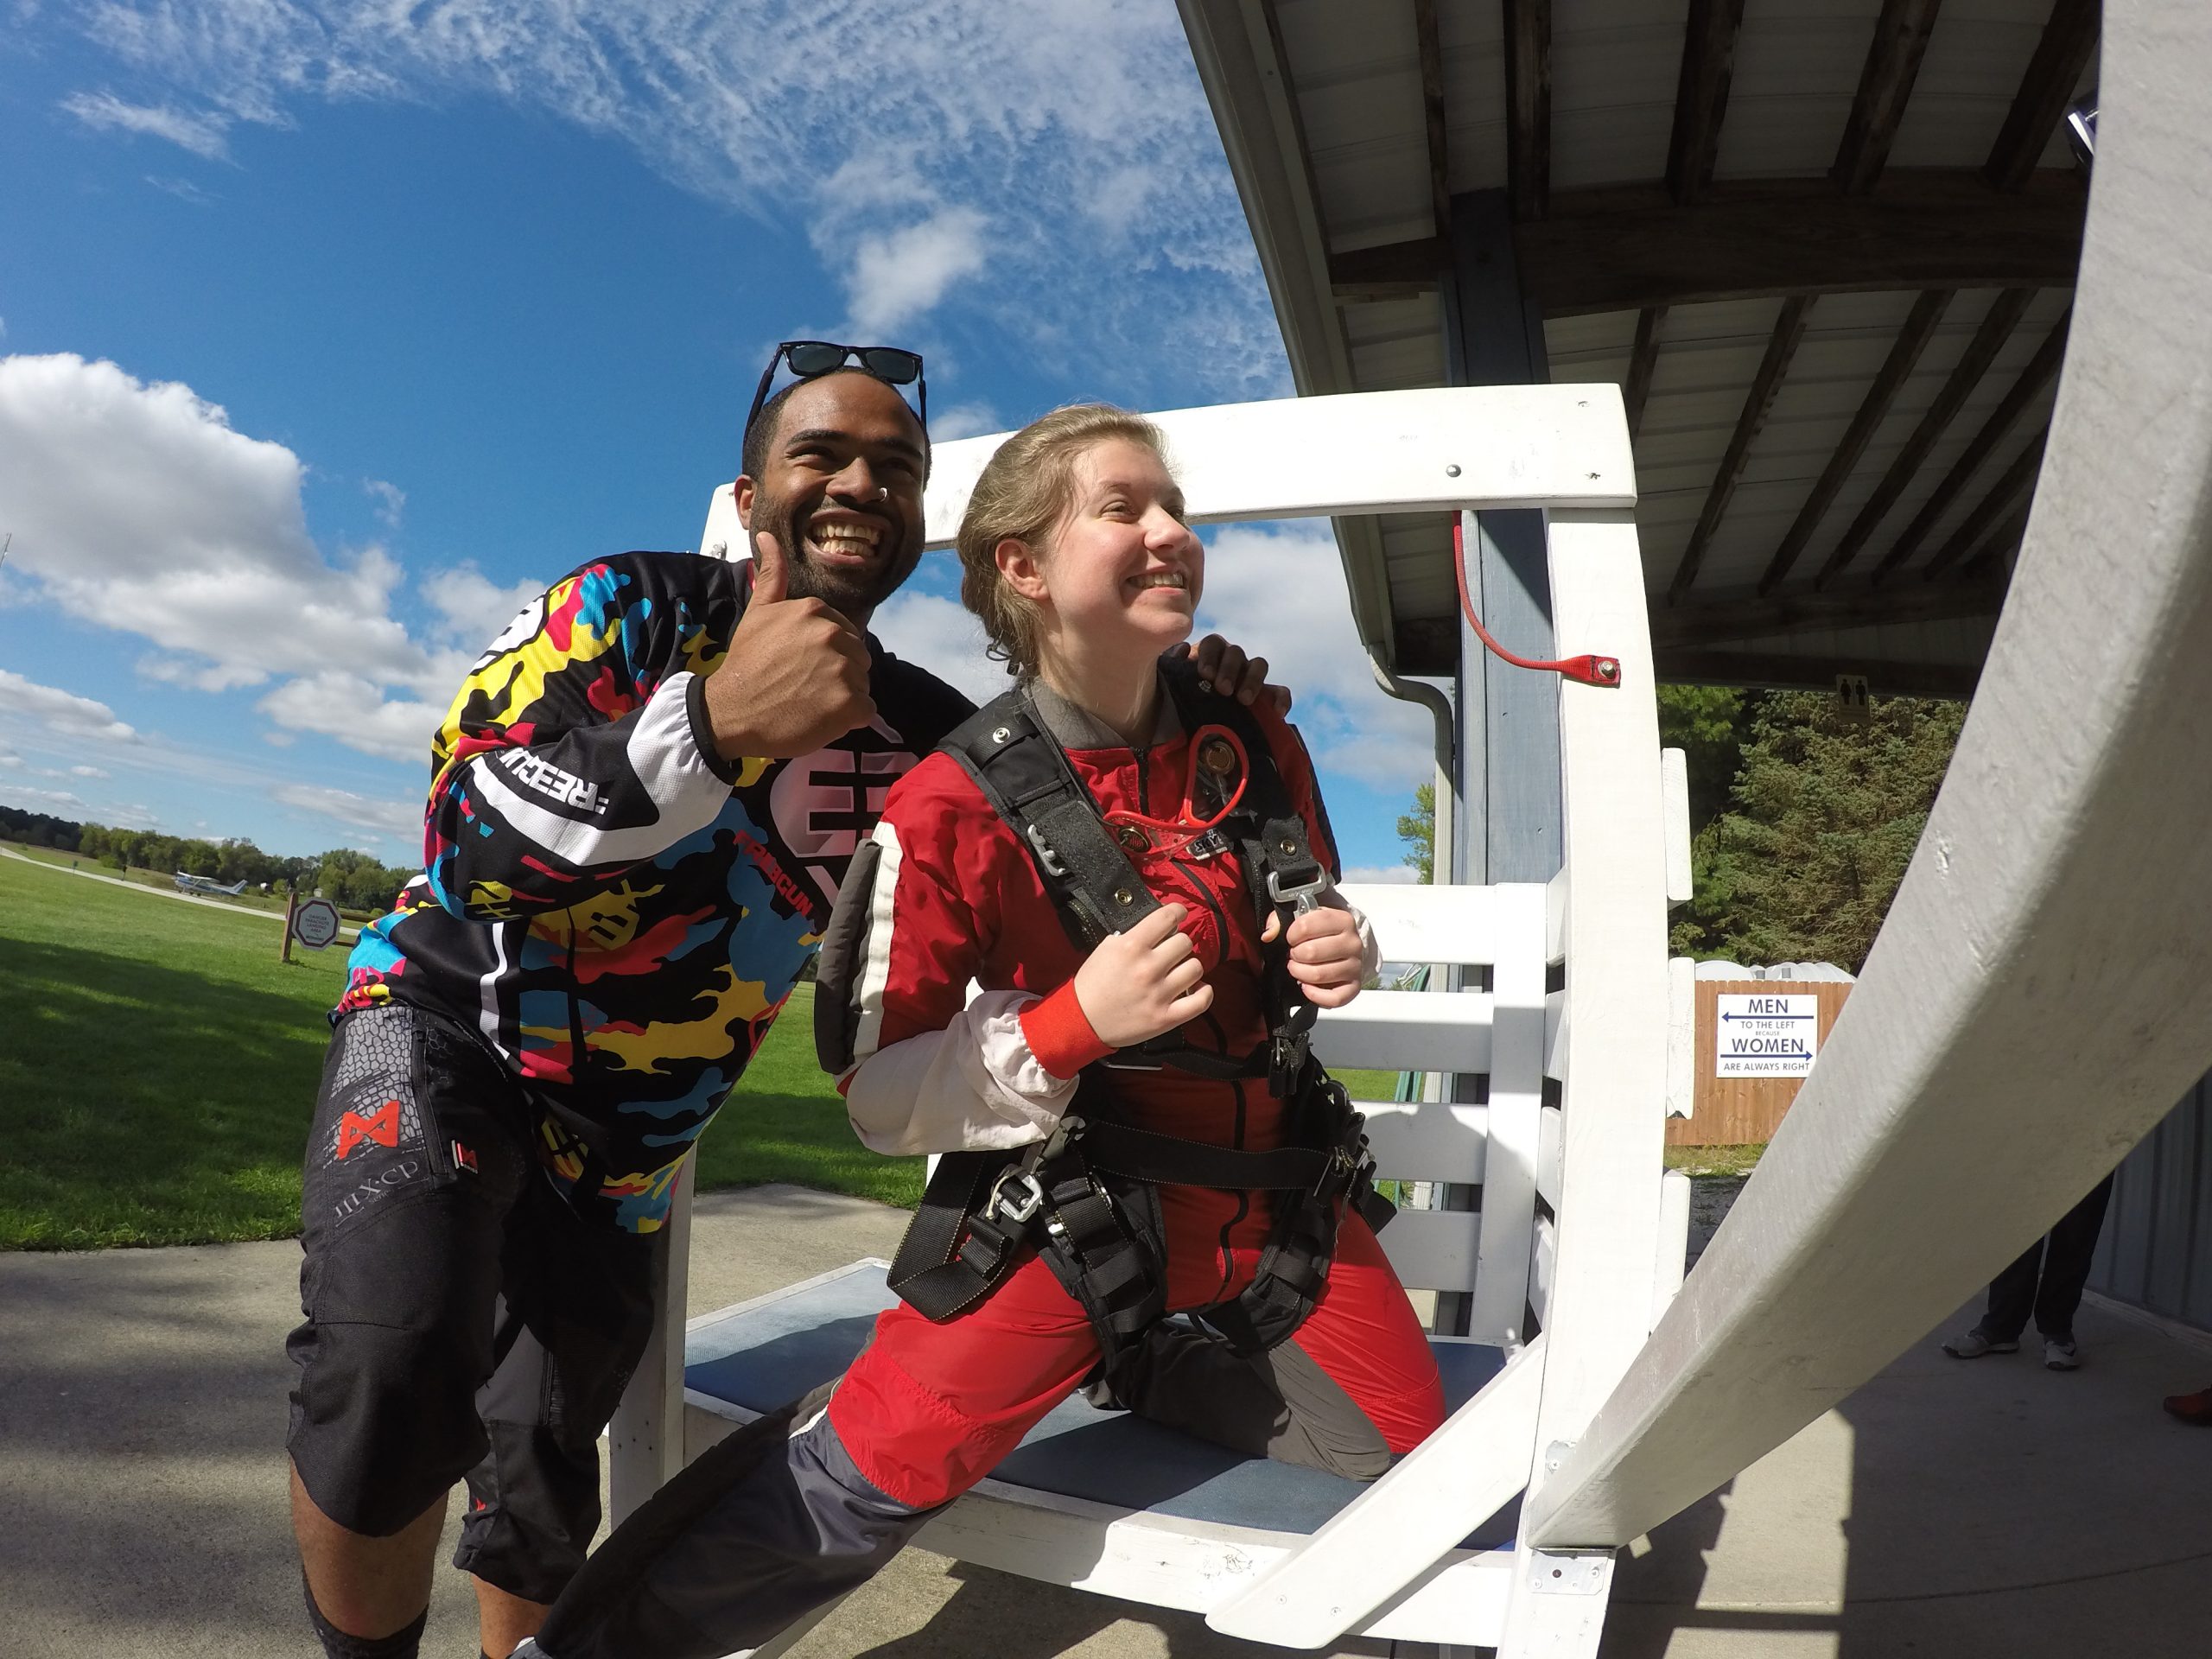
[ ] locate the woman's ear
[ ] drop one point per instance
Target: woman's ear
(1021, 569)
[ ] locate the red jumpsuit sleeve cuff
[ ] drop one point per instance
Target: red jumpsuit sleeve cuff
(1059, 1033)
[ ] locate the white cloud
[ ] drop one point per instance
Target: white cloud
(1281, 594)
(90, 772)
(353, 710)
(200, 133)
(398, 819)
(199, 676)
(473, 609)
(879, 126)
(44, 799)
(390, 501)
(1388, 874)
(964, 421)
(897, 276)
(942, 636)
(62, 713)
(140, 508)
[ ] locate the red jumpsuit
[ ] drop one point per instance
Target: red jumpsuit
(805, 1504)
(929, 1409)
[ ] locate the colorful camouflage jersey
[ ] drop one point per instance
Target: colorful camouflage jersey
(617, 910)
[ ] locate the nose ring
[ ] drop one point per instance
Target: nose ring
(883, 491)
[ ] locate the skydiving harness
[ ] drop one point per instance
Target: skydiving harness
(1086, 1198)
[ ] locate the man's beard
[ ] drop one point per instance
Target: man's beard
(853, 593)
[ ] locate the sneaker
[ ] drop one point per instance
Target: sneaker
(1975, 1345)
(2191, 1408)
(2058, 1355)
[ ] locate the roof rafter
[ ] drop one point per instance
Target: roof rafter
(2003, 498)
(2042, 369)
(1884, 88)
(1529, 106)
(1643, 359)
(1702, 96)
(2068, 37)
(1997, 326)
(1628, 249)
(1912, 340)
(1748, 616)
(1781, 346)
(1429, 44)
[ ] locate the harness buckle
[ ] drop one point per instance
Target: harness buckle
(1017, 1196)
(1300, 896)
(1045, 855)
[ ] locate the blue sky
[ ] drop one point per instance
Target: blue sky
(331, 332)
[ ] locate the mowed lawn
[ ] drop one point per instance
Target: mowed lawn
(158, 1066)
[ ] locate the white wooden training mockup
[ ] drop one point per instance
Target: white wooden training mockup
(1578, 1229)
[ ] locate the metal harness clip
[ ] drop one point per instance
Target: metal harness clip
(1300, 896)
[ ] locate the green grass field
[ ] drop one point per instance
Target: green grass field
(158, 1064)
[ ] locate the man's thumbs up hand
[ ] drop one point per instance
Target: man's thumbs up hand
(795, 676)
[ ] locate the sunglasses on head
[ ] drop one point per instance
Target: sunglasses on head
(812, 358)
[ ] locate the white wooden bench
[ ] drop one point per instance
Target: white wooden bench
(1578, 1241)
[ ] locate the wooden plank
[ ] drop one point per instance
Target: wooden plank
(1427, 1141)
(1912, 340)
(2042, 369)
(1776, 671)
(1431, 51)
(1385, 1538)
(1528, 103)
(1435, 446)
(1884, 88)
(1850, 604)
(1643, 359)
(1623, 248)
(1781, 346)
(1745, 1111)
(644, 1440)
(1454, 924)
(1701, 95)
(1407, 1030)
(2068, 37)
(2002, 316)
(2015, 481)
(1437, 1249)
(1500, 1281)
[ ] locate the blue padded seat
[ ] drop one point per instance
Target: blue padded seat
(762, 1356)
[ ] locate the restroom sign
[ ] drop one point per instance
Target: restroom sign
(1764, 1036)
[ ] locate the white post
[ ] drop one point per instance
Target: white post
(645, 1443)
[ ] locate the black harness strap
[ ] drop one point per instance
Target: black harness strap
(1087, 1198)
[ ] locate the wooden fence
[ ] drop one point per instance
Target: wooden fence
(1739, 1111)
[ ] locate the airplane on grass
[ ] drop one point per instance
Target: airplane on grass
(208, 885)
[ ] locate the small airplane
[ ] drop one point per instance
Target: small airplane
(208, 885)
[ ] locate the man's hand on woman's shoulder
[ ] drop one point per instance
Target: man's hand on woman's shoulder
(1225, 669)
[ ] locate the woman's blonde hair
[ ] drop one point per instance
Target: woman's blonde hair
(1023, 491)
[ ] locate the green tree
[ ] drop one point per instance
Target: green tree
(1417, 829)
(1824, 815)
(1707, 723)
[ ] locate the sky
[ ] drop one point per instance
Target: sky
(330, 333)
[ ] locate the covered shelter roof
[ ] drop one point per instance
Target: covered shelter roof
(1826, 248)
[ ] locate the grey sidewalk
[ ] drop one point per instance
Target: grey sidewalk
(1975, 1508)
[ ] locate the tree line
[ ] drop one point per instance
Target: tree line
(1803, 814)
(351, 880)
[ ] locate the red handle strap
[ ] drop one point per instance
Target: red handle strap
(1587, 669)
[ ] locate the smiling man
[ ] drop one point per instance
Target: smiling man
(646, 795)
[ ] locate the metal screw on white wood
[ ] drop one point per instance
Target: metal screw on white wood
(1452, 471)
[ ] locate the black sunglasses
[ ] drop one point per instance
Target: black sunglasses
(812, 359)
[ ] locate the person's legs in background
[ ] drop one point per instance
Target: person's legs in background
(2066, 1261)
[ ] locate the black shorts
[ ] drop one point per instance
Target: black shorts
(462, 1322)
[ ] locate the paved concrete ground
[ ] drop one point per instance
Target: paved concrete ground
(1966, 1509)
